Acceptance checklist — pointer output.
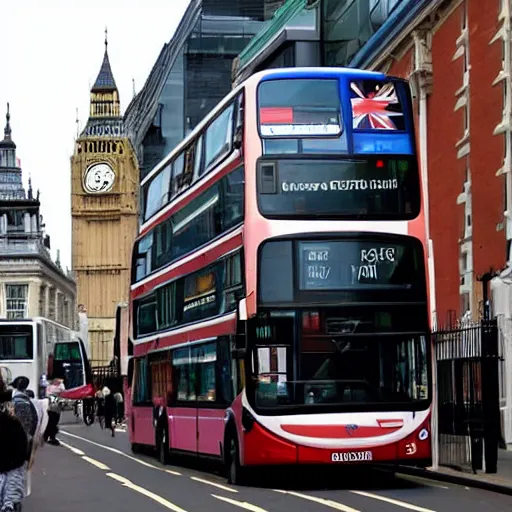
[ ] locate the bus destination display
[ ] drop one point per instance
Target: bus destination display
(354, 264)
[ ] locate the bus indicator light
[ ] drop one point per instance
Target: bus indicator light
(380, 164)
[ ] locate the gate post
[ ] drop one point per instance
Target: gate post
(490, 393)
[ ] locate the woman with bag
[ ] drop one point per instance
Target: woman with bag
(14, 453)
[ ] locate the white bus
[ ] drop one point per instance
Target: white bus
(38, 347)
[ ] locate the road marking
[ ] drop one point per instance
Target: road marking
(241, 504)
(119, 452)
(72, 448)
(223, 487)
(422, 481)
(398, 503)
(155, 497)
(96, 463)
(328, 503)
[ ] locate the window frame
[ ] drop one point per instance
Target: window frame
(298, 138)
(13, 313)
(221, 186)
(219, 269)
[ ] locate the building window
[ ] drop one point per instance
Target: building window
(16, 300)
(52, 306)
(42, 300)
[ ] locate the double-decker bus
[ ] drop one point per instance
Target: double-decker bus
(279, 302)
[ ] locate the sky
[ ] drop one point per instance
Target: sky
(50, 58)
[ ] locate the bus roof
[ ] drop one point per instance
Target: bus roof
(257, 77)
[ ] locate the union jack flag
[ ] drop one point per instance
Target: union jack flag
(374, 107)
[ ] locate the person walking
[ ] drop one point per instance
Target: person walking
(14, 451)
(119, 408)
(52, 392)
(26, 412)
(110, 410)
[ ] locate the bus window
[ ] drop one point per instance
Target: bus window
(16, 342)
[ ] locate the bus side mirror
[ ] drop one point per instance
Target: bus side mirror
(242, 309)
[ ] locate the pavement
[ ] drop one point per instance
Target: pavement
(92, 470)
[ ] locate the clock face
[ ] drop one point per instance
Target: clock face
(99, 178)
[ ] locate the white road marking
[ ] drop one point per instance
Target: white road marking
(72, 448)
(398, 503)
(119, 452)
(155, 497)
(422, 481)
(208, 482)
(241, 504)
(328, 503)
(96, 463)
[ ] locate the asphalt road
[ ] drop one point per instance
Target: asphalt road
(92, 470)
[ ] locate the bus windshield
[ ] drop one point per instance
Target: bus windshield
(68, 363)
(333, 359)
(16, 342)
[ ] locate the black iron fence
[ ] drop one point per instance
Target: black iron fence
(468, 395)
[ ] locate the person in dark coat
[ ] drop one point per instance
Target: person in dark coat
(110, 410)
(14, 453)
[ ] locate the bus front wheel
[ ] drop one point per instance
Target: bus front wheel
(236, 473)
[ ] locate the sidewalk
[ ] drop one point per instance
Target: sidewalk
(500, 482)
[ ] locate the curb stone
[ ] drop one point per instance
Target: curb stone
(456, 479)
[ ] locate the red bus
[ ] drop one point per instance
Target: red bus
(279, 308)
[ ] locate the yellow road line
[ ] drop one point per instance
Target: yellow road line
(96, 463)
(137, 488)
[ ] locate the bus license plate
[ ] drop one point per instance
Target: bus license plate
(352, 457)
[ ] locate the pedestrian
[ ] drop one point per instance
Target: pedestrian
(52, 392)
(110, 410)
(24, 409)
(119, 408)
(14, 453)
(27, 412)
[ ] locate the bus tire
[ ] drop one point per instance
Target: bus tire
(163, 447)
(135, 448)
(236, 473)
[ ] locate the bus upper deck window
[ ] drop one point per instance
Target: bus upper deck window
(300, 108)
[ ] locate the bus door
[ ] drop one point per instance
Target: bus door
(213, 393)
(184, 425)
(141, 422)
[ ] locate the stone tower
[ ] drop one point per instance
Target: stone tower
(104, 209)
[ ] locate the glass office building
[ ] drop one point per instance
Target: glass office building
(192, 73)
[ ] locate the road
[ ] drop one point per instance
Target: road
(92, 469)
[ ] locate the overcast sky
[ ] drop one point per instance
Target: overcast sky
(51, 54)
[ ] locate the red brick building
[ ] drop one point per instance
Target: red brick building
(455, 58)
(456, 54)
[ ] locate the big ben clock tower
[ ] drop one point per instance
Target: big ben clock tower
(104, 184)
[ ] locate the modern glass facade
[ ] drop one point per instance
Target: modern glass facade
(324, 33)
(192, 74)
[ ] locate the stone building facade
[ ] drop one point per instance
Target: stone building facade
(31, 283)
